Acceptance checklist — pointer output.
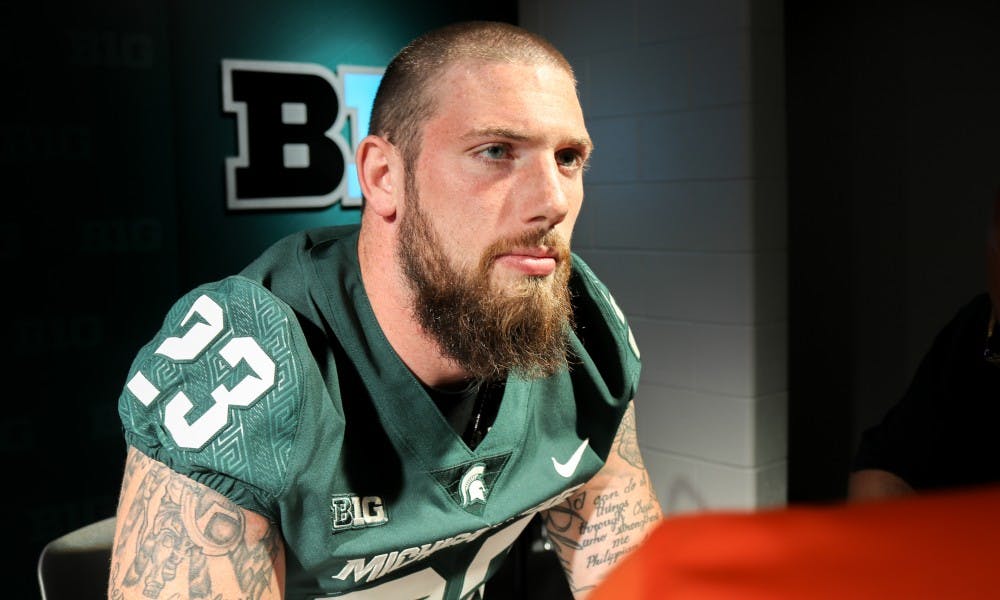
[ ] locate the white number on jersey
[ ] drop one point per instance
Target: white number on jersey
(191, 346)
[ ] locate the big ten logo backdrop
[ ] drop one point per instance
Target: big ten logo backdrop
(298, 125)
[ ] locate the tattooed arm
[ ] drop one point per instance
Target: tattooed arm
(596, 527)
(176, 538)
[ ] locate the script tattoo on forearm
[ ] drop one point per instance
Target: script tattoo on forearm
(173, 523)
(615, 525)
(615, 522)
(561, 523)
(591, 532)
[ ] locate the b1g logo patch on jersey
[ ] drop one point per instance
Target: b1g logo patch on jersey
(469, 484)
(348, 511)
(297, 127)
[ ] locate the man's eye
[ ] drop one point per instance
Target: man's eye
(495, 152)
(569, 158)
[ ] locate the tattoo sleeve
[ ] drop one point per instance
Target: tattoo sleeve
(179, 539)
(626, 440)
(598, 526)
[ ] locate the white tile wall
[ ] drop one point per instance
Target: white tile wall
(716, 215)
(616, 147)
(609, 73)
(685, 216)
(712, 426)
(700, 144)
(684, 219)
(697, 286)
(685, 484)
(678, 19)
(581, 26)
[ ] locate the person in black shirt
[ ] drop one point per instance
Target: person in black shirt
(943, 433)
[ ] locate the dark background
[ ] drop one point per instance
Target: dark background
(112, 177)
(894, 163)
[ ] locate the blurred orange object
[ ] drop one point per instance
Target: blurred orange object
(941, 545)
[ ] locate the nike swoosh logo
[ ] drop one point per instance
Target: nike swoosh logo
(569, 467)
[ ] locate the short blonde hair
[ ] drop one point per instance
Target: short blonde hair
(404, 100)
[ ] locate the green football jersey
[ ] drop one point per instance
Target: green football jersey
(278, 389)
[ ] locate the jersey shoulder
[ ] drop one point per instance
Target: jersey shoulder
(216, 395)
(603, 340)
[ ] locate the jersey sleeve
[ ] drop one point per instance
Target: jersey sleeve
(216, 395)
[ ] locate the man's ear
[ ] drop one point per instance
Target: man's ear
(380, 172)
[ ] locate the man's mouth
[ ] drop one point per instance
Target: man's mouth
(537, 262)
(533, 254)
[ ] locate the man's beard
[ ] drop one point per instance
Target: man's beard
(489, 332)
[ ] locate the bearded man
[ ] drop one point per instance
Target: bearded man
(378, 412)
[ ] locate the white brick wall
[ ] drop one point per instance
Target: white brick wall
(684, 219)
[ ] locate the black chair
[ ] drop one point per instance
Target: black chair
(77, 565)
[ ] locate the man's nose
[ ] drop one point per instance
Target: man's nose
(546, 193)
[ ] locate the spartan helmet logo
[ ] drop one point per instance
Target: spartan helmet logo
(472, 487)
